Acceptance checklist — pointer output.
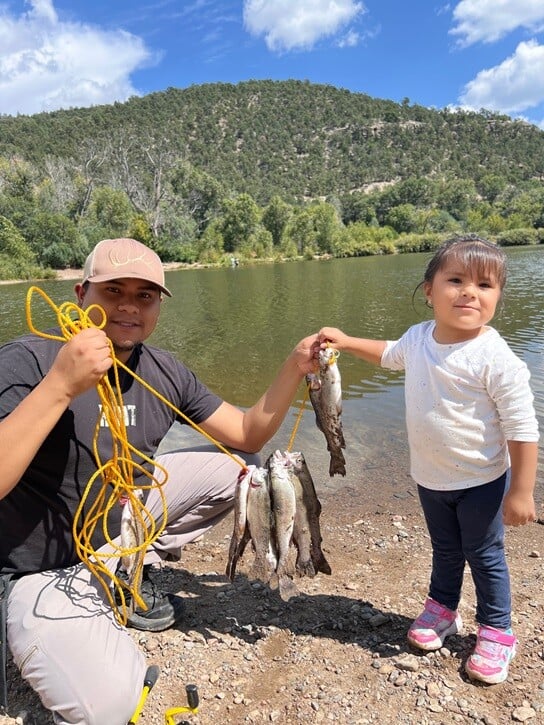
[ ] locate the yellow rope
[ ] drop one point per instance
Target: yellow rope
(299, 417)
(117, 474)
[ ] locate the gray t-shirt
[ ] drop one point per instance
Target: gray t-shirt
(36, 516)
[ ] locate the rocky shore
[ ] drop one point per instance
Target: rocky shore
(336, 653)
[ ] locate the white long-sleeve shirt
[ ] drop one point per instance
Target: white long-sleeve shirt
(463, 403)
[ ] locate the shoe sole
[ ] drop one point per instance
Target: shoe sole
(144, 624)
(491, 679)
(430, 646)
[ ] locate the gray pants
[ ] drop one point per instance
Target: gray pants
(61, 630)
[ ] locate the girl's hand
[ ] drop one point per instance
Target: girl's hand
(332, 336)
(518, 509)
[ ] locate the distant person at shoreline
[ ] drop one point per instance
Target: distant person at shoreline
(60, 624)
(473, 438)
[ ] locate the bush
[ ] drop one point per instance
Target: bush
(419, 242)
(17, 260)
(518, 237)
(57, 255)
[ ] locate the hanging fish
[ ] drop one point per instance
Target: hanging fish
(132, 535)
(307, 531)
(133, 550)
(284, 504)
(241, 534)
(325, 390)
(260, 521)
(276, 506)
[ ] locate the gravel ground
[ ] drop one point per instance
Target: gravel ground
(337, 652)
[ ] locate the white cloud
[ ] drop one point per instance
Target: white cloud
(298, 24)
(46, 64)
(350, 40)
(511, 87)
(490, 20)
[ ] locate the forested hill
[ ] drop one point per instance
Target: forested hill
(262, 170)
(290, 138)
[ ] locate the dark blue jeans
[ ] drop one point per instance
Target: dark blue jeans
(466, 526)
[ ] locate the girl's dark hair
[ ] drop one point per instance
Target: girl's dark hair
(472, 252)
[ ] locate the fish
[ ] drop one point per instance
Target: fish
(241, 533)
(301, 530)
(260, 521)
(284, 510)
(325, 389)
(307, 531)
(276, 506)
(132, 535)
(132, 547)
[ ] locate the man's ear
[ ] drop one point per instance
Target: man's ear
(79, 289)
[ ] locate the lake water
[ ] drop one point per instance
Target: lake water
(234, 327)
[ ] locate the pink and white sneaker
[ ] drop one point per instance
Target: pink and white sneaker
(492, 655)
(433, 625)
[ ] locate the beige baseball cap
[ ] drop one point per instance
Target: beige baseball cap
(118, 258)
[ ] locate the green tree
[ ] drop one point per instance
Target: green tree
(210, 245)
(457, 196)
(198, 192)
(301, 232)
(275, 217)
(112, 210)
(17, 260)
(403, 218)
(45, 229)
(326, 225)
(241, 217)
(490, 186)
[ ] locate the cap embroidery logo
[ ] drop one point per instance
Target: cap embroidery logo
(117, 261)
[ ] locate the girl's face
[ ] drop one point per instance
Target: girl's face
(464, 300)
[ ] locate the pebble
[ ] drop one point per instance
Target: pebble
(522, 714)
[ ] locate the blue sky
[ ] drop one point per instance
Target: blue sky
(473, 53)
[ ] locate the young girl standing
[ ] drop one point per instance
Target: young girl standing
(472, 434)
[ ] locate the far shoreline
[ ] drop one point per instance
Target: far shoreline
(75, 274)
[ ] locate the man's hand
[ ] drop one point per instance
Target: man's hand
(81, 362)
(306, 353)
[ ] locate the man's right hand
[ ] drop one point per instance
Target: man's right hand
(81, 362)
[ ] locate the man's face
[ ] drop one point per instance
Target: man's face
(132, 308)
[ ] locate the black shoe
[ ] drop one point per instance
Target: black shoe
(163, 609)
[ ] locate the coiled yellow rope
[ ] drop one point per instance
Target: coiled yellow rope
(116, 474)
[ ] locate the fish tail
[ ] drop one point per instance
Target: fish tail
(337, 464)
